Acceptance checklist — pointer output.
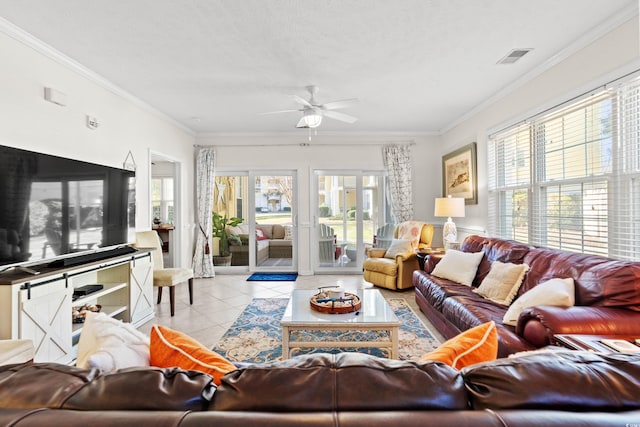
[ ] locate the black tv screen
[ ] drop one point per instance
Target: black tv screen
(52, 206)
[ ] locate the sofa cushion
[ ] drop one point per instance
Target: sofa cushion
(458, 266)
(54, 385)
(345, 381)
(278, 231)
(567, 381)
(555, 292)
(267, 229)
(171, 348)
(475, 345)
(109, 344)
(502, 282)
(398, 247)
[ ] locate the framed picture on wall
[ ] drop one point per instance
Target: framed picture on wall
(459, 176)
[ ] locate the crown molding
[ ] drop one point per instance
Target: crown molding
(50, 52)
(583, 41)
(320, 134)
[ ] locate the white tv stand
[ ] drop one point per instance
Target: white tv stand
(39, 307)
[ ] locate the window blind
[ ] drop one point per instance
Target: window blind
(570, 179)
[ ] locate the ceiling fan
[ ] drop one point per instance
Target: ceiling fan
(312, 112)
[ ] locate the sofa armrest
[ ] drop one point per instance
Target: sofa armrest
(430, 262)
(539, 324)
(376, 252)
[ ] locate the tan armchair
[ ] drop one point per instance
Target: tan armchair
(395, 273)
(164, 276)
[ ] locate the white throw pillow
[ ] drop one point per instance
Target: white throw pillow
(503, 281)
(398, 247)
(109, 344)
(458, 266)
(558, 292)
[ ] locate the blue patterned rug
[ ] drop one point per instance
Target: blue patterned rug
(256, 335)
(272, 277)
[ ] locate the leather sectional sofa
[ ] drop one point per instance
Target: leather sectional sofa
(347, 389)
(607, 295)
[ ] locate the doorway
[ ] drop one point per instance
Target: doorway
(349, 207)
(259, 210)
(164, 190)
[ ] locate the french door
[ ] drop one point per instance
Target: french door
(266, 238)
(349, 207)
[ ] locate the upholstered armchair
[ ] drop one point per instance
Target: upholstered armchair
(393, 267)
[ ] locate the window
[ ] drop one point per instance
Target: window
(569, 179)
(162, 199)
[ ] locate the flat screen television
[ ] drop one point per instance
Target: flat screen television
(52, 206)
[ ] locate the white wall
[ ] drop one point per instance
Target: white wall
(327, 152)
(28, 121)
(613, 55)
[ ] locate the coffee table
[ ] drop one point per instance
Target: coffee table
(374, 315)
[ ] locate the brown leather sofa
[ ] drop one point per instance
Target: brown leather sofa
(347, 389)
(607, 294)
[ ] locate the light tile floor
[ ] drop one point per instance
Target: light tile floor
(218, 301)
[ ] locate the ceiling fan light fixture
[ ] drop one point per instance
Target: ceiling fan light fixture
(312, 118)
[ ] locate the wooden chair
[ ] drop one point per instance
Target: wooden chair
(327, 244)
(164, 276)
(384, 236)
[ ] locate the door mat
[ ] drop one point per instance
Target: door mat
(272, 277)
(256, 335)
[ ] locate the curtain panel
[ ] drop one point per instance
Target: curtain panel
(398, 164)
(205, 174)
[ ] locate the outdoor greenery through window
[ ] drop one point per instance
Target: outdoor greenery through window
(569, 179)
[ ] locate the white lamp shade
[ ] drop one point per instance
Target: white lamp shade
(312, 119)
(452, 207)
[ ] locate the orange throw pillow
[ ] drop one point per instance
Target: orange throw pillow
(475, 345)
(171, 348)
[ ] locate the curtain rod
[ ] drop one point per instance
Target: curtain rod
(305, 144)
(591, 91)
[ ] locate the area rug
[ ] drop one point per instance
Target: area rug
(256, 336)
(272, 277)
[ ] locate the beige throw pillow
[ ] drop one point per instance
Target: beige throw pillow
(502, 282)
(398, 247)
(558, 292)
(458, 266)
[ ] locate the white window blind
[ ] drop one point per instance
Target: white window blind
(570, 179)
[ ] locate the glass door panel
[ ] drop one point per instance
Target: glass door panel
(274, 200)
(350, 208)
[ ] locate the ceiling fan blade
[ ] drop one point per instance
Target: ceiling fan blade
(278, 112)
(343, 103)
(301, 101)
(340, 116)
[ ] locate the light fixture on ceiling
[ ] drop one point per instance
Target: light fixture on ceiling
(449, 207)
(312, 118)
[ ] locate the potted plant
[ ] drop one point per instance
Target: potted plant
(219, 230)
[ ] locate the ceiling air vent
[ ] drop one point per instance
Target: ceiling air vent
(514, 55)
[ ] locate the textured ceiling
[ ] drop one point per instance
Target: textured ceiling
(417, 66)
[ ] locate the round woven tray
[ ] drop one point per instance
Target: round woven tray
(348, 304)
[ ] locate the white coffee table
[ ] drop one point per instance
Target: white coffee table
(374, 314)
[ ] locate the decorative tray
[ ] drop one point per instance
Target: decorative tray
(324, 303)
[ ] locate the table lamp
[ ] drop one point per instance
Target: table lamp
(449, 207)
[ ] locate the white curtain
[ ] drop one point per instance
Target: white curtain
(202, 258)
(397, 162)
